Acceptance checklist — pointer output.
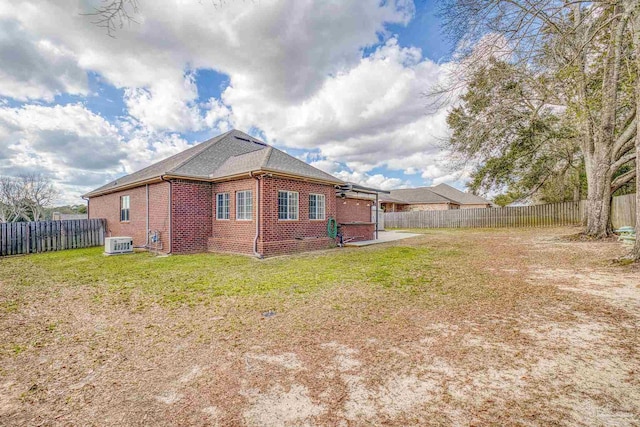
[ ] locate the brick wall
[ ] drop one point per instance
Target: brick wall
(353, 210)
(232, 235)
(357, 232)
(191, 216)
(392, 207)
(108, 207)
(283, 236)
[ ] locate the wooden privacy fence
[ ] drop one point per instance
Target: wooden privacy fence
(623, 211)
(567, 213)
(43, 236)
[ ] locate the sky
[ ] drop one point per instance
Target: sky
(338, 84)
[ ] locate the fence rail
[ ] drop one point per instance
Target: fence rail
(43, 236)
(568, 213)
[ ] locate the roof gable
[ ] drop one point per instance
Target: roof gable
(441, 193)
(419, 195)
(461, 197)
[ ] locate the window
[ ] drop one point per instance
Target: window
(244, 205)
(124, 208)
(222, 206)
(316, 206)
(287, 205)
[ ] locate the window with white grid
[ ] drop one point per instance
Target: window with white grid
(287, 205)
(244, 205)
(125, 204)
(316, 206)
(222, 206)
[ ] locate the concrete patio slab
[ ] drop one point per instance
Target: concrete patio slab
(384, 237)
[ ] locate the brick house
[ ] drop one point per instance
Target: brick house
(232, 193)
(439, 197)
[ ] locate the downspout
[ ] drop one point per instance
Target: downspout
(255, 240)
(146, 245)
(376, 211)
(170, 212)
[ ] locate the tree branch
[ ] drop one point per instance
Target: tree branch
(622, 160)
(622, 180)
(624, 138)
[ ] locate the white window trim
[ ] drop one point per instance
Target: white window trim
(128, 208)
(245, 201)
(297, 208)
(228, 207)
(324, 207)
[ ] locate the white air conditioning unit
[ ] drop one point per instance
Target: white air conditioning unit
(118, 245)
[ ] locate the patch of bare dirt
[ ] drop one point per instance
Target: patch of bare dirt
(550, 338)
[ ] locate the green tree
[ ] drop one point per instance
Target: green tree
(510, 125)
(580, 51)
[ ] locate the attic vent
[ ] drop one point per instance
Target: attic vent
(251, 140)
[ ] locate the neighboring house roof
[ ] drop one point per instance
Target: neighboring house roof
(441, 193)
(232, 153)
(459, 196)
(419, 195)
(389, 199)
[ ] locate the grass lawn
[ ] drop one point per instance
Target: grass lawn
(455, 326)
(204, 277)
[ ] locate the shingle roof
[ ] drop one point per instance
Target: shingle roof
(441, 193)
(459, 196)
(419, 195)
(229, 154)
(389, 199)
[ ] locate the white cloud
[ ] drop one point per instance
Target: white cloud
(375, 181)
(296, 72)
(76, 147)
(378, 181)
(145, 147)
(371, 115)
(165, 105)
(35, 68)
(69, 136)
(281, 50)
(79, 149)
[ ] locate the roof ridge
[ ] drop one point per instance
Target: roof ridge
(207, 145)
(267, 156)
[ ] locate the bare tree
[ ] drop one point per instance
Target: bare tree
(39, 193)
(12, 199)
(25, 197)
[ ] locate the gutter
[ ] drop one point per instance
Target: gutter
(170, 213)
(250, 174)
(123, 187)
(255, 240)
(377, 214)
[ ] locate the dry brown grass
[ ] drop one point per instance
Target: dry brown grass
(500, 327)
